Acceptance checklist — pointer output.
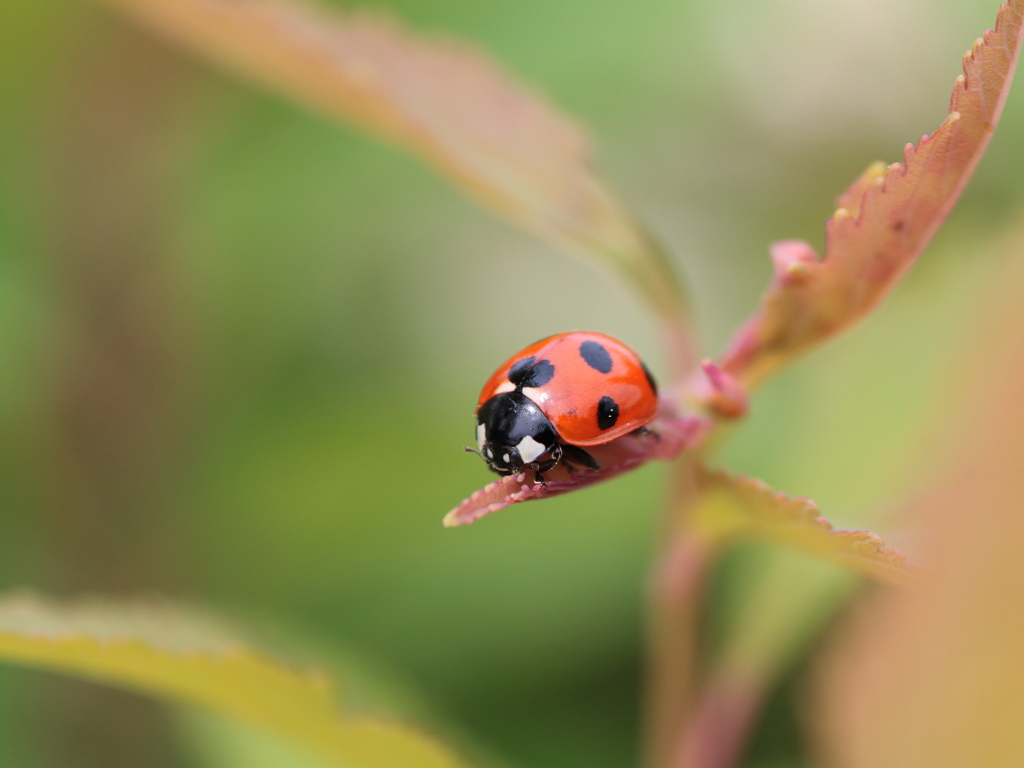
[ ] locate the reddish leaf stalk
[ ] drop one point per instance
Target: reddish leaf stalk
(721, 721)
(676, 589)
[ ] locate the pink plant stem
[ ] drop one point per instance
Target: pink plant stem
(721, 722)
(675, 597)
(678, 572)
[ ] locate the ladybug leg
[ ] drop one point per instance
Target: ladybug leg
(539, 467)
(644, 431)
(547, 464)
(577, 457)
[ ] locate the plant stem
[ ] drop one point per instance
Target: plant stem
(678, 574)
(675, 595)
(721, 721)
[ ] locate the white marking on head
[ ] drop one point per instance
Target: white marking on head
(506, 458)
(538, 396)
(530, 449)
(481, 435)
(504, 387)
(490, 455)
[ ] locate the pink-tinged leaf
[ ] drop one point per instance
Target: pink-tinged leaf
(884, 220)
(853, 197)
(667, 437)
(732, 507)
(447, 103)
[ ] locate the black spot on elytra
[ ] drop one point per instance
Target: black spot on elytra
(531, 372)
(897, 226)
(607, 413)
(597, 356)
(650, 378)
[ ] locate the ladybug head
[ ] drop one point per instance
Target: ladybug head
(512, 433)
(503, 459)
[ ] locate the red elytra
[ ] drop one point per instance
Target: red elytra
(588, 366)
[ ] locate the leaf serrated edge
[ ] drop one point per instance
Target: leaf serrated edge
(789, 520)
(769, 339)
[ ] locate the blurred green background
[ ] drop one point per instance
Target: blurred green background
(240, 348)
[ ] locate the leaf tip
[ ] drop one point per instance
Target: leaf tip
(662, 439)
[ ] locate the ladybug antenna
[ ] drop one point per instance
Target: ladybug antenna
(467, 449)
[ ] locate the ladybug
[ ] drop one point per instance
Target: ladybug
(558, 396)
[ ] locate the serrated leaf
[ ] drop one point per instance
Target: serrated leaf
(667, 437)
(733, 506)
(444, 101)
(885, 219)
(174, 656)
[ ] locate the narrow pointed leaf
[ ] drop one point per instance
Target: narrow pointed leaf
(444, 101)
(668, 436)
(177, 657)
(732, 507)
(885, 219)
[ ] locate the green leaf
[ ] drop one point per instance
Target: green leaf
(734, 507)
(179, 657)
